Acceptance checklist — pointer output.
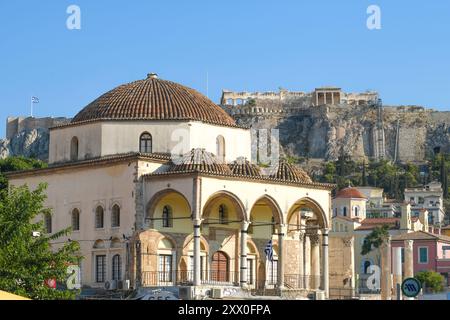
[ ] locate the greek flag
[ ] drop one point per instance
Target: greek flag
(269, 250)
(34, 99)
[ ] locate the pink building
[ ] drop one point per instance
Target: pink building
(431, 251)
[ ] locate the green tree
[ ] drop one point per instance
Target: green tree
(11, 164)
(375, 240)
(431, 280)
(26, 258)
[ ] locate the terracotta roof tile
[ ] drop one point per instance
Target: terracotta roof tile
(242, 166)
(290, 172)
(154, 99)
(201, 161)
(350, 193)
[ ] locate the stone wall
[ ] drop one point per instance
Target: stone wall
(341, 261)
(323, 132)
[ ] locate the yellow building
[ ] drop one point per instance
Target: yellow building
(156, 182)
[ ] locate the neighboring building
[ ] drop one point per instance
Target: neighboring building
(431, 251)
(446, 231)
(349, 227)
(429, 197)
(377, 205)
(142, 213)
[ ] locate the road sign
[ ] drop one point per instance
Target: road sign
(411, 287)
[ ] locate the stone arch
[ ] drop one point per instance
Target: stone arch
(216, 197)
(310, 203)
(157, 197)
(189, 239)
(273, 204)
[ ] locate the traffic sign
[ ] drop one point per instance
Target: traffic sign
(411, 287)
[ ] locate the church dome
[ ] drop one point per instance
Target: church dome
(290, 172)
(349, 193)
(154, 99)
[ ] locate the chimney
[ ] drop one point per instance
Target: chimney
(405, 220)
(423, 218)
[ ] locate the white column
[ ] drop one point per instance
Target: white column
(197, 259)
(307, 261)
(196, 215)
(280, 268)
(386, 284)
(325, 270)
(301, 262)
(244, 273)
(397, 253)
(409, 260)
(315, 261)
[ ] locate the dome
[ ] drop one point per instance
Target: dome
(290, 172)
(199, 160)
(242, 166)
(350, 192)
(154, 99)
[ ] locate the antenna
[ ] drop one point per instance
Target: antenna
(207, 84)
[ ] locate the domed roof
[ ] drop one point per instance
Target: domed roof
(199, 160)
(290, 172)
(241, 166)
(350, 192)
(154, 99)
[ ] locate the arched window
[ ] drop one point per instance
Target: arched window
(344, 211)
(99, 217)
(145, 143)
(219, 267)
(223, 214)
(74, 149)
(48, 223)
(75, 220)
(116, 267)
(167, 217)
(220, 145)
(115, 216)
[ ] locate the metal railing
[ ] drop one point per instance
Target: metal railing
(182, 277)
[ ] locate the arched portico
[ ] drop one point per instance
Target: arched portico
(169, 211)
(307, 231)
(223, 217)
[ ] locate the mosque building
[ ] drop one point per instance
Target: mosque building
(156, 182)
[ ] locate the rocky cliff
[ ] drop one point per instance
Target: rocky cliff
(28, 143)
(405, 133)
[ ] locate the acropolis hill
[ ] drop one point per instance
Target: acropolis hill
(319, 123)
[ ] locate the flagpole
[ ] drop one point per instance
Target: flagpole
(31, 102)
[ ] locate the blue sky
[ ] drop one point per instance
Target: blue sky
(242, 45)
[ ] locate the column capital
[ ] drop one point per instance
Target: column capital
(409, 243)
(348, 242)
(314, 238)
(197, 222)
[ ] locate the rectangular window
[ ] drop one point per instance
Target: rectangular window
(403, 255)
(165, 268)
(100, 268)
(423, 255)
